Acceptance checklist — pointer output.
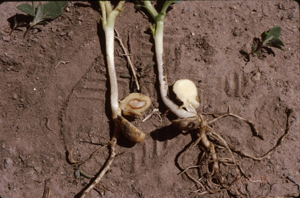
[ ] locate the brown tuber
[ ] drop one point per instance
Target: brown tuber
(130, 131)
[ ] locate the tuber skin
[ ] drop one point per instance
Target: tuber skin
(158, 31)
(130, 131)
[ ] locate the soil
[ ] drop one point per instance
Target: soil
(54, 98)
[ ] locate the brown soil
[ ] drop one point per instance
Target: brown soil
(48, 109)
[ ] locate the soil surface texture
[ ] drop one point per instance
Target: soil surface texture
(54, 99)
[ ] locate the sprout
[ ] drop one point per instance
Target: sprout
(131, 105)
(186, 92)
(41, 14)
(158, 31)
(134, 104)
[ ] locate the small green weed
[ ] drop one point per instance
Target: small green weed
(41, 14)
(269, 39)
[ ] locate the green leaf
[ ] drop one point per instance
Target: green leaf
(38, 16)
(48, 11)
(152, 28)
(253, 47)
(264, 35)
(53, 9)
(176, 2)
(275, 31)
(258, 52)
(276, 42)
(268, 39)
(28, 9)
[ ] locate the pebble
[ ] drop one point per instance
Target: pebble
(38, 169)
(8, 163)
(6, 38)
(256, 77)
(234, 8)
(70, 34)
(14, 96)
(53, 29)
(43, 46)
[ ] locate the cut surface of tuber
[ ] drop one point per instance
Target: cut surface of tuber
(186, 92)
(135, 104)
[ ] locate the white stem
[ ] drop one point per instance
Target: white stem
(108, 24)
(109, 41)
(162, 76)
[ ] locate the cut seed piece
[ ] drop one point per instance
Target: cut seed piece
(135, 104)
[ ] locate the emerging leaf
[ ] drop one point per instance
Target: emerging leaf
(53, 9)
(38, 17)
(28, 9)
(48, 11)
(267, 40)
(44, 12)
(271, 38)
(253, 47)
(276, 42)
(275, 31)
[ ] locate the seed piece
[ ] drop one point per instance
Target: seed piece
(186, 92)
(135, 104)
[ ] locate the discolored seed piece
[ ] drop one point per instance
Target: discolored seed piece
(130, 131)
(186, 124)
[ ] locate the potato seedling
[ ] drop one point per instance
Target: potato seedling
(41, 14)
(157, 30)
(212, 181)
(134, 104)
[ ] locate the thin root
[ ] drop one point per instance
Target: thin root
(279, 142)
(47, 190)
(59, 62)
(47, 125)
(206, 182)
(107, 164)
(190, 167)
(251, 124)
(154, 111)
(71, 159)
